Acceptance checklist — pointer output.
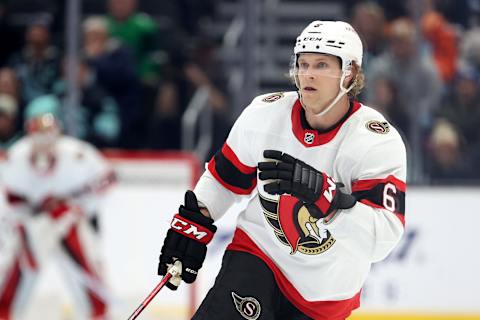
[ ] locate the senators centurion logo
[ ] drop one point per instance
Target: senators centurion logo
(295, 227)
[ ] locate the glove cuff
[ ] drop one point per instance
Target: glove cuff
(326, 202)
(193, 230)
(332, 198)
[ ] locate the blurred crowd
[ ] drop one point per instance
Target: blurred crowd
(135, 79)
(422, 65)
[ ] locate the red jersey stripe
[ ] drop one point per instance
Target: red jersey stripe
(319, 310)
(371, 183)
(232, 157)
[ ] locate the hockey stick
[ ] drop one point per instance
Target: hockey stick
(174, 271)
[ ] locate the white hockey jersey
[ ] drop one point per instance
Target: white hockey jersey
(323, 274)
(76, 172)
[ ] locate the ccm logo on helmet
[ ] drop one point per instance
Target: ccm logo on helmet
(191, 229)
(312, 39)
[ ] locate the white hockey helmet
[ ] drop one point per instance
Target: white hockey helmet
(337, 38)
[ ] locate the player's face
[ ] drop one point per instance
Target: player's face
(319, 77)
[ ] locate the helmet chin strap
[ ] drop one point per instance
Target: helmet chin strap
(340, 94)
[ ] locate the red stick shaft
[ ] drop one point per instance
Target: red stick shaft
(150, 297)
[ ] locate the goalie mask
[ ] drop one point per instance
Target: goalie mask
(42, 123)
(336, 38)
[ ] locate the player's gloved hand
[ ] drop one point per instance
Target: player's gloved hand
(292, 176)
(54, 206)
(186, 241)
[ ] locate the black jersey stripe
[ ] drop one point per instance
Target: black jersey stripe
(377, 196)
(231, 173)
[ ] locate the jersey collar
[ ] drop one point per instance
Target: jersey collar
(310, 137)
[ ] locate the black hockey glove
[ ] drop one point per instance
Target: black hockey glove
(186, 240)
(292, 176)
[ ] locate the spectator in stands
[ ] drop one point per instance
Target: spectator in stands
(392, 9)
(9, 85)
(192, 15)
(97, 118)
(139, 32)
(37, 64)
(411, 72)
(8, 114)
(386, 101)
(369, 20)
(114, 68)
(442, 39)
(9, 82)
(414, 76)
(470, 47)
(462, 109)
(199, 68)
(205, 70)
(448, 163)
(165, 125)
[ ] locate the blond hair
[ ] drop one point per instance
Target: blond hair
(358, 81)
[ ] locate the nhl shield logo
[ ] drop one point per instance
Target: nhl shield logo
(248, 307)
(309, 137)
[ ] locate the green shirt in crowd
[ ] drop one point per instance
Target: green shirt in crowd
(140, 33)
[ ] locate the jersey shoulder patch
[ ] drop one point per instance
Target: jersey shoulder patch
(273, 97)
(372, 121)
(277, 104)
(378, 126)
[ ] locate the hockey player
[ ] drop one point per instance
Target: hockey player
(54, 185)
(324, 176)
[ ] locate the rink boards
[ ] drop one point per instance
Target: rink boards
(433, 272)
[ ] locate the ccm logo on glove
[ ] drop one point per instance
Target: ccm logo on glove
(191, 229)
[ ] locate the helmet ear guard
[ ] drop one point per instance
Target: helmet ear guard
(348, 70)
